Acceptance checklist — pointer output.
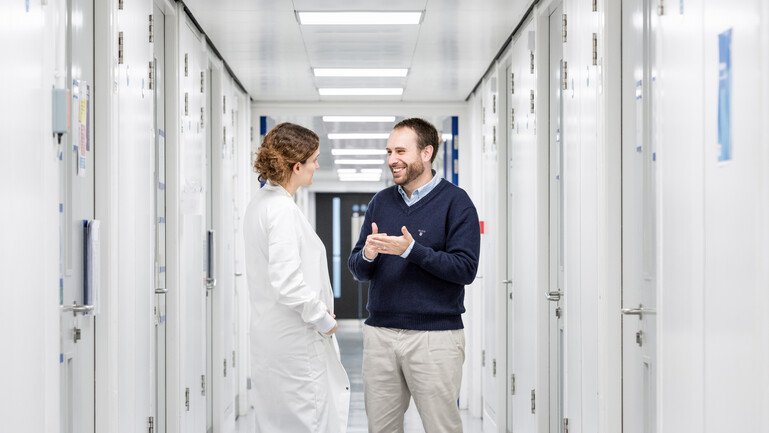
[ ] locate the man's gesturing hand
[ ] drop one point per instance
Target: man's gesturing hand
(394, 245)
(369, 250)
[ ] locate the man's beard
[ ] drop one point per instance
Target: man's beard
(412, 171)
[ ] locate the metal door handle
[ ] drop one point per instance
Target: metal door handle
(506, 282)
(76, 308)
(161, 291)
(554, 296)
(640, 311)
(211, 268)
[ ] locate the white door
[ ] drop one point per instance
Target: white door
(77, 284)
(210, 261)
(555, 290)
(159, 345)
(506, 214)
(639, 276)
(494, 309)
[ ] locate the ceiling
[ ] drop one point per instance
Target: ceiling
(273, 55)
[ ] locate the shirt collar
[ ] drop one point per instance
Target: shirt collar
(421, 191)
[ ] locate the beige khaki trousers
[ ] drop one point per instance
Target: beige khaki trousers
(399, 364)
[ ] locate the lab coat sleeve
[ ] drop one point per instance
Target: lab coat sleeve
(285, 271)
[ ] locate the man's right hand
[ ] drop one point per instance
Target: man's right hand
(369, 251)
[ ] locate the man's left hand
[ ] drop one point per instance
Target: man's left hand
(393, 245)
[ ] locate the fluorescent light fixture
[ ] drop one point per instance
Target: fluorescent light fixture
(371, 170)
(359, 161)
(358, 18)
(359, 136)
(346, 170)
(364, 177)
(358, 152)
(356, 179)
(447, 137)
(343, 119)
(360, 91)
(358, 72)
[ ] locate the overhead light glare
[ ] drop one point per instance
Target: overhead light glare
(371, 170)
(358, 119)
(358, 152)
(358, 18)
(359, 136)
(357, 72)
(360, 91)
(360, 177)
(346, 170)
(359, 161)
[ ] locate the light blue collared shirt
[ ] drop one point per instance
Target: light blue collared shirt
(417, 195)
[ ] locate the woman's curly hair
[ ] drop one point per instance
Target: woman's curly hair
(284, 146)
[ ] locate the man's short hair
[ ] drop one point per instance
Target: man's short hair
(427, 135)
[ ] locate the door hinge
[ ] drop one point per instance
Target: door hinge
(512, 384)
(531, 62)
(483, 115)
(224, 140)
(224, 104)
(483, 358)
(202, 81)
(595, 49)
(151, 428)
(533, 401)
(494, 134)
(186, 104)
(202, 117)
(531, 99)
(661, 7)
(120, 48)
(564, 30)
(233, 359)
(512, 83)
(152, 28)
(512, 118)
(151, 75)
(595, 5)
(565, 73)
(120, 4)
(187, 398)
(494, 367)
(225, 367)
(186, 65)
(202, 384)
(566, 425)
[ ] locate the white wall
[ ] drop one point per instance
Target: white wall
(29, 176)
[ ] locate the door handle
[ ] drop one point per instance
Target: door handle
(554, 296)
(640, 311)
(76, 308)
(161, 291)
(506, 282)
(211, 271)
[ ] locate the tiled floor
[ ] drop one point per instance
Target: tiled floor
(350, 338)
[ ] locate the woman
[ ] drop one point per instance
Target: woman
(300, 384)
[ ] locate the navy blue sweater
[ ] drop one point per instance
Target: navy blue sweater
(426, 290)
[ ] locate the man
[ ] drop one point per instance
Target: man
(413, 341)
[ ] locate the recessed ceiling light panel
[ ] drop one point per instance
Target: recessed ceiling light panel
(358, 72)
(343, 18)
(344, 119)
(360, 91)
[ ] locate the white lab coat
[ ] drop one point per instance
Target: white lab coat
(299, 383)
